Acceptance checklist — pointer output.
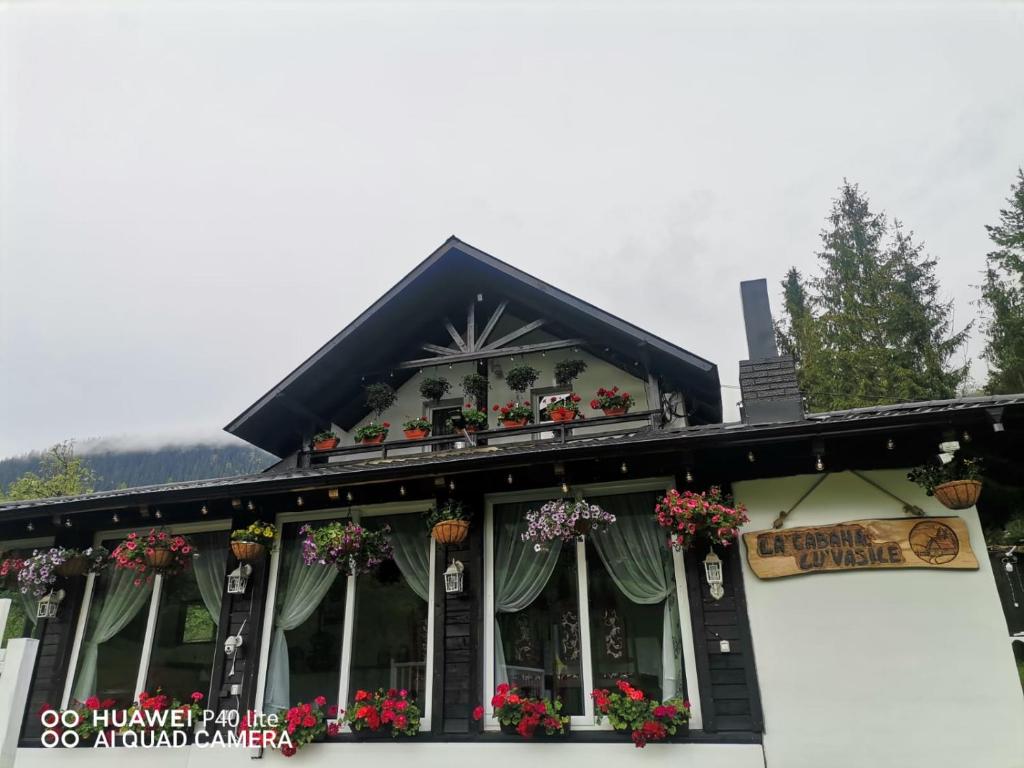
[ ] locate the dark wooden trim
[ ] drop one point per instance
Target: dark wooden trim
(734, 568)
(489, 352)
(700, 640)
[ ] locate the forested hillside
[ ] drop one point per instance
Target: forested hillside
(131, 467)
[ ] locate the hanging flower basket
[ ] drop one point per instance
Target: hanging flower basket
(154, 552)
(38, 574)
(451, 531)
(958, 494)
(349, 547)
(250, 544)
(690, 516)
(248, 551)
(564, 520)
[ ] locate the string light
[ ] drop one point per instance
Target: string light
(967, 436)
(158, 514)
(623, 469)
(509, 478)
(819, 464)
(30, 526)
(349, 497)
(332, 494)
(250, 506)
(204, 510)
(115, 518)
(565, 487)
(401, 490)
(689, 476)
(750, 457)
(298, 501)
(451, 485)
(890, 444)
(67, 522)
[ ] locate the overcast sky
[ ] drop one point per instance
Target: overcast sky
(196, 197)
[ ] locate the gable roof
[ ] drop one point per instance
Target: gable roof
(326, 387)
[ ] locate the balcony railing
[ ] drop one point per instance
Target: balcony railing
(559, 432)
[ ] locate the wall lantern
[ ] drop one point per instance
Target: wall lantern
(713, 574)
(47, 606)
(453, 578)
(238, 579)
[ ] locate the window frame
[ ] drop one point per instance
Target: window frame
(586, 721)
(153, 610)
(356, 513)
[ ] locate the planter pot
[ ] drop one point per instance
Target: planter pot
(161, 558)
(74, 566)
(615, 411)
(381, 734)
(416, 434)
(326, 445)
(958, 494)
(562, 414)
(471, 430)
(538, 735)
(248, 551)
(374, 440)
(513, 423)
(451, 531)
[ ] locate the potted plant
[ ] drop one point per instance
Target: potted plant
(521, 377)
(380, 397)
(373, 433)
(38, 574)
(627, 709)
(566, 409)
(250, 544)
(564, 520)
(612, 402)
(528, 717)
(567, 371)
(417, 429)
(514, 414)
(348, 546)
(304, 724)
(956, 484)
(434, 388)
(449, 524)
(383, 714)
(154, 552)
(9, 569)
(689, 516)
(475, 387)
(474, 418)
(325, 441)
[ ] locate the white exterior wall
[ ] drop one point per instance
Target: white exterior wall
(879, 667)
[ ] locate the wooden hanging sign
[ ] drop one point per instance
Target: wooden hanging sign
(915, 542)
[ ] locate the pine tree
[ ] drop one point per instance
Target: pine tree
(61, 474)
(870, 328)
(1002, 295)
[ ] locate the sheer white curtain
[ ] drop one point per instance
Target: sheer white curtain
(411, 542)
(520, 573)
(634, 552)
(298, 595)
(209, 569)
(121, 603)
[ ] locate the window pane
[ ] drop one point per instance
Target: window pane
(537, 642)
(312, 628)
(630, 582)
(185, 638)
(389, 642)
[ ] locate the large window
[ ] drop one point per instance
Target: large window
(161, 635)
(332, 635)
(584, 615)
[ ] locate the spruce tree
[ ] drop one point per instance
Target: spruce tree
(1002, 296)
(870, 328)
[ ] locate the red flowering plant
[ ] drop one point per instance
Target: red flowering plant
(627, 709)
(514, 411)
(690, 516)
(155, 552)
(9, 569)
(389, 711)
(612, 400)
(524, 714)
(87, 727)
(372, 430)
(305, 723)
(566, 408)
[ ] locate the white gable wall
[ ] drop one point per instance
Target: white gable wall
(879, 667)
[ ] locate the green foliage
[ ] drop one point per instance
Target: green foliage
(380, 397)
(327, 434)
(930, 475)
(475, 386)
(452, 510)
(567, 371)
(1002, 296)
(61, 473)
(435, 388)
(418, 423)
(371, 430)
(870, 328)
(521, 377)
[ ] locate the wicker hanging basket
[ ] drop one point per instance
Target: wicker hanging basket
(248, 551)
(159, 558)
(73, 566)
(451, 531)
(958, 494)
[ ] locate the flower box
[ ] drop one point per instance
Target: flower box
(416, 434)
(381, 734)
(562, 414)
(513, 424)
(958, 494)
(328, 444)
(451, 531)
(615, 411)
(538, 735)
(376, 440)
(248, 551)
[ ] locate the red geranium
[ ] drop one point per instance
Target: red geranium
(525, 714)
(647, 720)
(303, 723)
(391, 710)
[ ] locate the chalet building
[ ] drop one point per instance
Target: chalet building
(896, 656)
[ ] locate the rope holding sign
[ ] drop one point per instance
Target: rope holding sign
(908, 508)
